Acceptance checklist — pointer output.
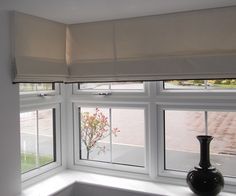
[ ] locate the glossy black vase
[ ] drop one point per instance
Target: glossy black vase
(204, 179)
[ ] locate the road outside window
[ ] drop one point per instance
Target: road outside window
(37, 139)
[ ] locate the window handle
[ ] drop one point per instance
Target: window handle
(103, 94)
(45, 95)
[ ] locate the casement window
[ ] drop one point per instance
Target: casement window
(114, 88)
(227, 84)
(39, 129)
(37, 138)
(109, 133)
(117, 86)
(191, 108)
(155, 130)
(36, 87)
(181, 129)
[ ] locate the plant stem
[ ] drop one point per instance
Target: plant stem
(87, 154)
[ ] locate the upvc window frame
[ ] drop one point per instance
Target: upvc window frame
(161, 142)
(33, 94)
(104, 165)
(113, 92)
(201, 93)
(192, 100)
(33, 102)
(156, 99)
(121, 99)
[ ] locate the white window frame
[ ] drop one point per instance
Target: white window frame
(33, 102)
(202, 100)
(202, 108)
(105, 165)
(155, 100)
(118, 92)
(31, 94)
(208, 93)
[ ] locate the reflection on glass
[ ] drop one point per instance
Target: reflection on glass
(128, 144)
(112, 135)
(222, 126)
(112, 86)
(34, 87)
(181, 129)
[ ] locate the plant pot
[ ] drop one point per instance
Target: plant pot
(204, 179)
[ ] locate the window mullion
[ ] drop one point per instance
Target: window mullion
(206, 122)
(110, 116)
(37, 139)
(205, 84)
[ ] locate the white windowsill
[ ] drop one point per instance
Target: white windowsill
(68, 177)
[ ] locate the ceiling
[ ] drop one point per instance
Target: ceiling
(79, 11)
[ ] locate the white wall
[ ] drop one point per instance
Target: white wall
(10, 182)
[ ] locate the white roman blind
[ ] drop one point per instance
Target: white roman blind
(39, 48)
(188, 45)
(92, 51)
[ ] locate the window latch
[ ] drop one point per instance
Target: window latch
(45, 95)
(104, 94)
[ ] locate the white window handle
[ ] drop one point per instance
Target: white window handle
(104, 93)
(45, 95)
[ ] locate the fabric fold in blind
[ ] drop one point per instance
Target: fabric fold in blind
(198, 44)
(39, 49)
(165, 68)
(189, 45)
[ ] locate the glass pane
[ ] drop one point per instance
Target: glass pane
(46, 141)
(113, 135)
(222, 126)
(95, 134)
(112, 86)
(184, 84)
(33, 87)
(28, 132)
(93, 86)
(127, 86)
(128, 140)
(221, 84)
(181, 144)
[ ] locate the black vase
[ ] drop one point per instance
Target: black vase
(204, 179)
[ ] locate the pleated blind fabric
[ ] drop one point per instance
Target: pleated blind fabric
(39, 49)
(188, 45)
(198, 44)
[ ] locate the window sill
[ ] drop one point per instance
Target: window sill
(68, 177)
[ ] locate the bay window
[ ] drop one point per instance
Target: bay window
(140, 128)
(143, 128)
(154, 129)
(110, 126)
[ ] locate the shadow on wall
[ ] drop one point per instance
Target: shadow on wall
(85, 189)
